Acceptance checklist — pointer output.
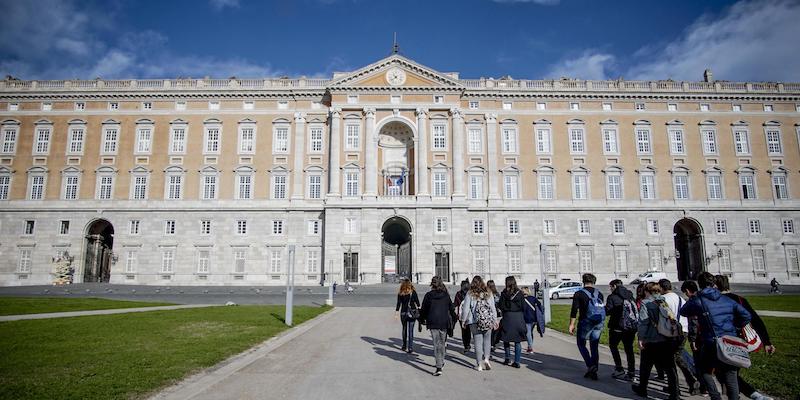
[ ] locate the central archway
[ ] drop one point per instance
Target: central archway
(396, 249)
(396, 157)
(99, 245)
(689, 249)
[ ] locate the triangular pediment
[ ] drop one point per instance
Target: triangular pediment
(412, 75)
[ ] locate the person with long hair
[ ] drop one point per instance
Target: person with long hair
(457, 300)
(437, 313)
(479, 304)
(512, 325)
(496, 296)
(657, 349)
(407, 309)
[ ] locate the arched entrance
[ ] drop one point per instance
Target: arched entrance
(99, 242)
(396, 144)
(396, 253)
(689, 249)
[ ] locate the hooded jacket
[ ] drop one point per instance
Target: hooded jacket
(614, 306)
(725, 316)
(468, 306)
(437, 309)
(648, 318)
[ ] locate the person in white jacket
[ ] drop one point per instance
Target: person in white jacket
(675, 303)
(478, 299)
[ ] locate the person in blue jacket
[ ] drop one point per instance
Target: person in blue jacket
(533, 313)
(717, 315)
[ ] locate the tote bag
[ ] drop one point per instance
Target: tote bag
(731, 350)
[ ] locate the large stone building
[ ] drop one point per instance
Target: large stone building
(397, 169)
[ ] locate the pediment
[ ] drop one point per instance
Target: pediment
(415, 76)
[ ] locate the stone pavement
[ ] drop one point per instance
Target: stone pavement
(782, 314)
(100, 312)
(354, 353)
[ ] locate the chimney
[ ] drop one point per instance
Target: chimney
(708, 76)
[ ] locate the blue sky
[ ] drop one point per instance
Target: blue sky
(535, 39)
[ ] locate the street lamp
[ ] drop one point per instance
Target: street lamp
(290, 286)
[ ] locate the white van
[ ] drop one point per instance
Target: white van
(649, 277)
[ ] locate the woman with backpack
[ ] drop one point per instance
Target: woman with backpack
(437, 311)
(656, 347)
(478, 314)
(533, 313)
(496, 295)
(407, 309)
(512, 325)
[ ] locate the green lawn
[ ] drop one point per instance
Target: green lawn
(38, 305)
(773, 374)
(777, 302)
(126, 356)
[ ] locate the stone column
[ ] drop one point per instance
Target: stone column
(299, 155)
(458, 153)
(334, 120)
(421, 152)
(491, 149)
(370, 155)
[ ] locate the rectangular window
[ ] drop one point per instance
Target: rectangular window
(239, 261)
(203, 261)
(439, 184)
(312, 261)
(643, 141)
(681, 183)
(619, 226)
(725, 260)
(180, 105)
(315, 186)
(205, 227)
(5, 186)
(549, 227)
(709, 141)
(352, 99)
(80, 106)
(541, 106)
(9, 141)
(676, 141)
(144, 136)
(76, 136)
(647, 186)
(507, 105)
(475, 141)
(275, 261)
(580, 187)
(70, 187)
(147, 105)
(130, 262)
(610, 145)
(113, 106)
(440, 224)
(105, 187)
(474, 105)
(714, 182)
(509, 140)
(351, 225)
(788, 226)
(209, 187)
(672, 107)
(283, 105)
(755, 226)
(513, 227)
(213, 105)
(133, 227)
(779, 184)
(514, 260)
(546, 190)
(439, 137)
(741, 140)
(705, 107)
(721, 226)
(736, 108)
(543, 142)
(212, 140)
(574, 106)
(793, 261)
(313, 227)
(585, 258)
(352, 137)
(746, 182)
(315, 144)
(178, 140)
(277, 227)
(511, 184)
(477, 227)
(29, 227)
(36, 191)
(550, 260)
(139, 187)
(768, 108)
(42, 141)
(167, 261)
(351, 184)
(395, 99)
(247, 140)
(656, 259)
(241, 227)
(169, 227)
(479, 260)
(174, 187)
(245, 187)
(248, 105)
(607, 106)
(774, 147)
(25, 261)
(279, 187)
(614, 189)
(639, 106)
(583, 227)
(475, 186)
(621, 261)
(281, 140)
(652, 227)
(576, 140)
(110, 138)
(759, 259)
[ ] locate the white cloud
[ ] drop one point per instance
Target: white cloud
(220, 4)
(591, 64)
(539, 2)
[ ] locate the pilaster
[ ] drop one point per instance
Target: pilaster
(334, 166)
(491, 149)
(421, 154)
(299, 155)
(458, 154)
(370, 155)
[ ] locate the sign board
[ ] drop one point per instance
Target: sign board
(389, 264)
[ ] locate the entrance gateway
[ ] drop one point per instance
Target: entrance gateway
(99, 244)
(396, 250)
(689, 249)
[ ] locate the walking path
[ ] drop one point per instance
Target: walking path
(783, 314)
(354, 353)
(100, 312)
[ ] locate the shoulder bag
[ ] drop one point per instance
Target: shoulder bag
(731, 350)
(750, 335)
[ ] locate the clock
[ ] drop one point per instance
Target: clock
(395, 76)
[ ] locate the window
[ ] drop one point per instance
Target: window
(709, 141)
(352, 137)
(440, 224)
(546, 186)
(315, 141)
(577, 141)
(174, 187)
(543, 141)
(312, 261)
(213, 136)
(680, 183)
(759, 259)
(614, 185)
(583, 227)
(279, 186)
(247, 139)
(513, 227)
(133, 227)
(509, 140)
(167, 261)
(248, 105)
(736, 107)
(774, 146)
(747, 184)
(768, 108)
(313, 227)
(213, 105)
(144, 138)
(511, 186)
(105, 186)
(205, 227)
(647, 186)
(676, 141)
(477, 227)
(585, 259)
(574, 106)
(113, 106)
(177, 139)
(507, 105)
(42, 145)
(652, 227)
(550, 260)
(244, 186)
(203, 261)
(643, 141)
(656, 259)
(241, 227)
(755, 226)
(36, 186)
(724, 255)
(209, 191)
(180, 105)
(110, 139)
(351, 184)
(25, 262)
(474, 105)
(275, 261)
(639, 107)
(277, 227)
(395, 99)
(541, 106)
(619, 226)
(71, 185)
(169, 227)
(788, 226)
(280, 139)
(793, 261)
(620, 260)
(130, 261)
(147, 105)
(607, 106)
(283, 105)
(351, 225)
(13, 106)
(315, 186)
(610, 143)
(439, 184)
(721, 226)
(479, 260)
(779, 185)
(705, 107)
(438, 99)
(10, 139)
(549, 227)
(475, 140)
(239, 260)
(29, 227)
(352, 99)
(439, 137)
(475, 186)
(741, 139)
(580, 186)
(514, 260)
(672, 107)
(714, 186)
(80, 106)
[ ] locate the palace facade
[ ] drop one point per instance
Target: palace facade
(397, 170)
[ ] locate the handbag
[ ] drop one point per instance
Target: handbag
(750, 335)
(413, 312)
(731, 350)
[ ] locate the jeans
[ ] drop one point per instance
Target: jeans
(483, 343)
(517, 351)
(661, 354)
(681, 363)
(727, 374)
(626, 338)
(439, 337)
(408, 332)
(529, 334)
(590, 332)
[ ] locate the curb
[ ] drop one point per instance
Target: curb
(110, 311)
(195, 384)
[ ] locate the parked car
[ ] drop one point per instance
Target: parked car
(564, 290)
(649, 277)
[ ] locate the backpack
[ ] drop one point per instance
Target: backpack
(482, 315)
(667, 324)
(596, 310)
(630, 316)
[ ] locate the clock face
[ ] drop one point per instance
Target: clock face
(395, 76)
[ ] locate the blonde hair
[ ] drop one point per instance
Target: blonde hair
(653, 288)
(406, 287)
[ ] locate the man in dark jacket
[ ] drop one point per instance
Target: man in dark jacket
(615, 306)
(717, 315)
(459, 297)
(588, 328)
(437, 313)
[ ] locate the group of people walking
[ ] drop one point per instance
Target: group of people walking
(661, 320)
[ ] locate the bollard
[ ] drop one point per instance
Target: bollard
(290, 287)
(329, 300)
(546, 304)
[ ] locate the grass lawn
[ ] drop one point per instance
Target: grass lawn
(774, 375)
(777, 302)
(38, 305)
(128, 356)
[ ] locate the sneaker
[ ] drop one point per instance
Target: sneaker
(639, 390)
(479, 368)
(506, 362)
(694, 388)
(487, 365)
(629, 376)
(403, 348)
(515, 365)
(530, 350)
(759, 396)
(438, 372)
(466, 350)
(593, 375)
(618, 374)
